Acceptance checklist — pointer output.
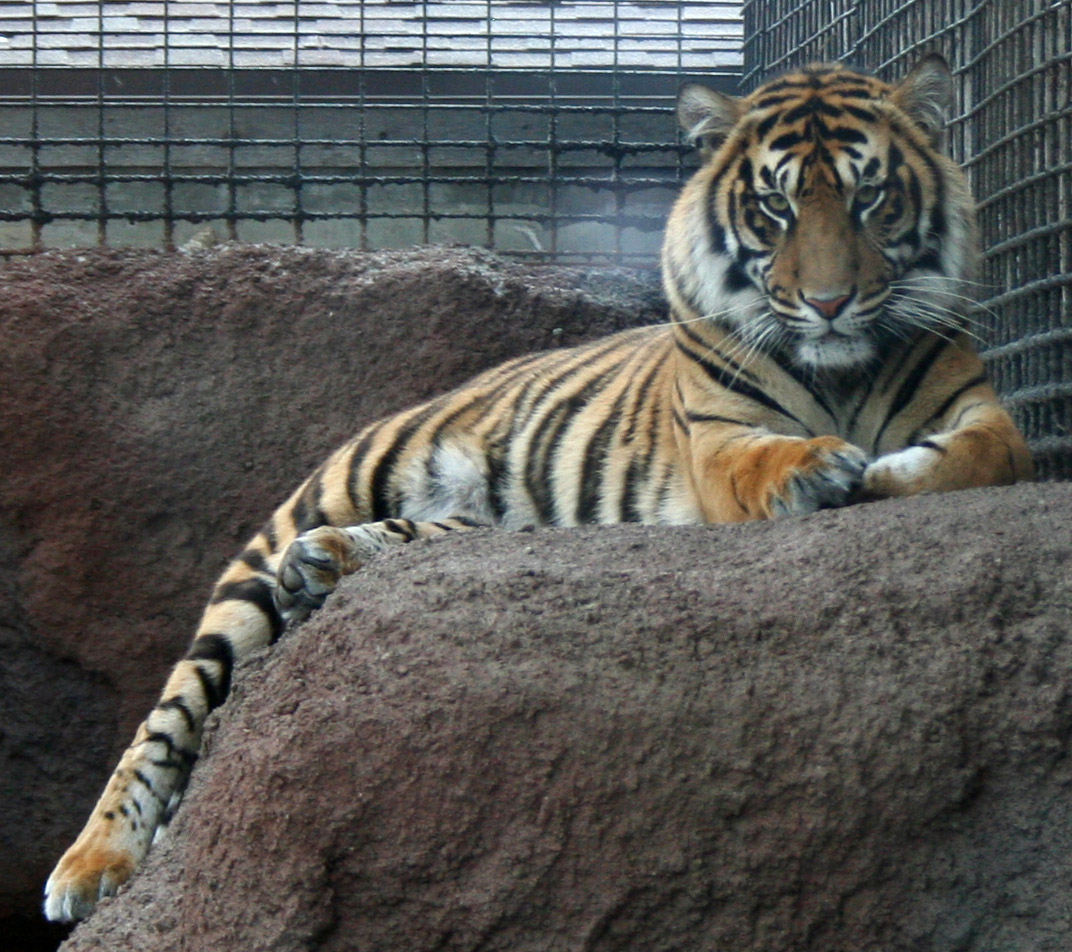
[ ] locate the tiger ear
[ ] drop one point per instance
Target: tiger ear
(706, 116)
(926, 94)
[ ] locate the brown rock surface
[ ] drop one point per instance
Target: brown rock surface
(846, 732)
(156, 407)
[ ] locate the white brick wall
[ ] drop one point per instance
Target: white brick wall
(358, 33)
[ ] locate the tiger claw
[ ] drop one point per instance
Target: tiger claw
(830, 481)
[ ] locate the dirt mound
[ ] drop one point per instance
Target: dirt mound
(842, 732)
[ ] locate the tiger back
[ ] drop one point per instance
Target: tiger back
(819, 268)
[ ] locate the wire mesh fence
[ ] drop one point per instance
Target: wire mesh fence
(1012, 129)
(540, 129)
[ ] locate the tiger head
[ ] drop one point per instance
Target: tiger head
(824, 220)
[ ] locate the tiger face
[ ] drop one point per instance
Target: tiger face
(824, 221)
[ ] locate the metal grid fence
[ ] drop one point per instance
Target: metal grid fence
(538, 129)
(1012, 129)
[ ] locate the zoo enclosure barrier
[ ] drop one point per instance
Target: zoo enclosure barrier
(543, 130)
(1012, 130)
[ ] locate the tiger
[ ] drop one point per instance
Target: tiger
(819, 268)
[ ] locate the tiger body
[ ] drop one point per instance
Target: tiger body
(819, 352)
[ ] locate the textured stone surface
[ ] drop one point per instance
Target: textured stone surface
(846, 732)
(156, 407)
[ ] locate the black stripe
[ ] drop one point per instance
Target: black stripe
(254, 558)
(487, 403)
(845, 134)
(716, 233)
(938, 223)
(865, 396)
(931, 445)
(575, 362)
(713, 418)
(855, 93)
(306, 511)
(664, 489)
(384, 503)
(767, 101)
(536, 462)
(639, 469)
(779, 85)
(677, 418)
(403, 527)
(729, 361)
(730, 381)
(543, 449)
(909, 388)
(145, 782)
(894, 159)
(468, 523)
(864, 115)
(185, 758)
(498, 477)
(628, 511)
(764, 127)
(218, 649)
(948, 402)
(178, 704)
(257, 592)
(807, 108)
(786, 141)
(215, 694)
(353, 489)
(595, 456)
(640, 398)
(212, 648)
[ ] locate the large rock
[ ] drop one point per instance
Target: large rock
(847, 732)
(156, 407)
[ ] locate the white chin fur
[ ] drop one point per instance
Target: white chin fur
(840, 353)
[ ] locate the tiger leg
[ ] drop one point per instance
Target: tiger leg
(742, 473)
(142, 791)
(248, 610)
(982, 448)
(313, 563)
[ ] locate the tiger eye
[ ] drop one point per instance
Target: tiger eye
(867, 195)
(776, 202)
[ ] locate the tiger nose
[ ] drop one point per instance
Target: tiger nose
(829, 307)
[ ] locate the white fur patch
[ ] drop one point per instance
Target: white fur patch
(455, 483)
(905, 465)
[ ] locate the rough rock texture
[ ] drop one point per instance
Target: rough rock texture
(156, 407)
(842, 732)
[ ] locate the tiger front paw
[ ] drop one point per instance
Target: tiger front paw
(820, 473)
(310, 570)
(906, 472)
(83, 877)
